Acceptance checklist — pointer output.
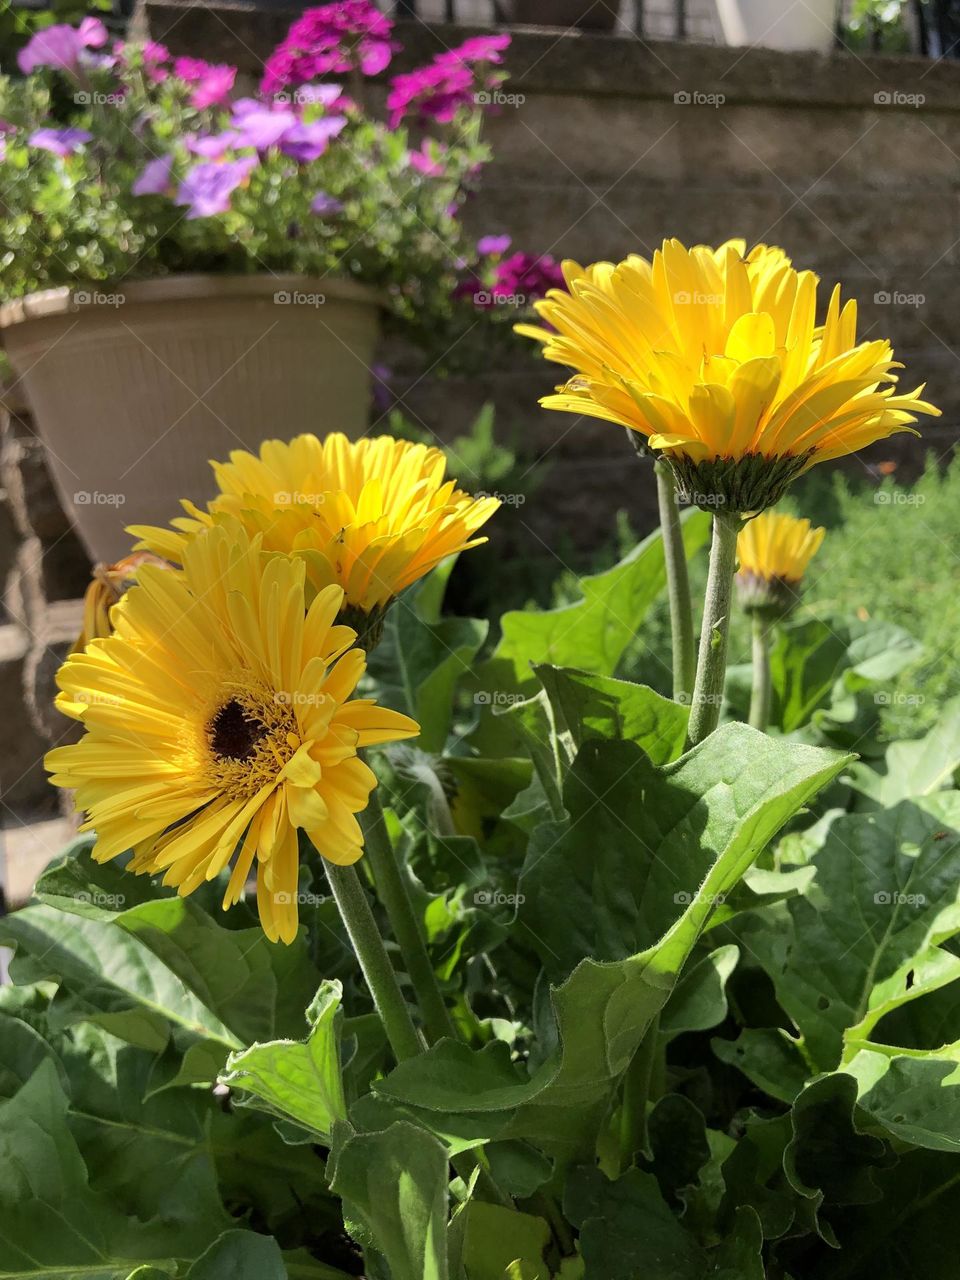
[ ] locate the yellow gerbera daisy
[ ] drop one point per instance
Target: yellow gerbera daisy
(218, 724)
(714, 356)
(370, 515)
(775, 545)
(774, 551)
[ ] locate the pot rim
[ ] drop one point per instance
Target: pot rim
(184, 286)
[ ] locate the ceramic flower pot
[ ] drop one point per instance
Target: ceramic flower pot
(587, 15)
(779, 24)
(135, 387)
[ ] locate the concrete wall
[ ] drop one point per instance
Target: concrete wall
(853, 164)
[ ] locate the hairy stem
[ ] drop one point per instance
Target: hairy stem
(760, 692)
(714, 634)
(678, 584)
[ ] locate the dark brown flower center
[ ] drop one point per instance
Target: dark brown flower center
(234, 733)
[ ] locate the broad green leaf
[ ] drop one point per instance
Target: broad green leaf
(627, 1229)
(492, 1239)
(699, 1000)
(886, 888)
(810, 655)
(913, 1095)
(602, 1010)
(297, 1081)
(769, 1057)
(594, 706)
(421, 658)
(679, 1147)
(643, 844)
(240, 1255)
(915, 768)
(740, 1254)
(592, 634)
(51, 1224)
(107, 976)
(394, 1187)
(828, 1159)
(908, 1232)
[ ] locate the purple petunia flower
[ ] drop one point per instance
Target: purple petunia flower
(325, 205)
(261, 126)
(212, 146)
(155, 178)
(308, 141)
(488, 245)
(61, 46)
(207, 187)
(211, 82)
(347, 36)
(60, 142)
(330, 96)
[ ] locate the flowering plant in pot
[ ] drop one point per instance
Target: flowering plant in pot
(222, 258)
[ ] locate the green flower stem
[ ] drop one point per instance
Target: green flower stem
(394, 895)
(678, 584)
(637, 1092)
(405, 1040)
(714, 633)
(760, 693)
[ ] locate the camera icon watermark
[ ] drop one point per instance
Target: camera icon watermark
(297, 298)
(497, 898)
(894, 898)
(497, 98)
(894, 98)
(695, 98)
(897, 498)
(895, 298)
(86, 498)
(95, 298)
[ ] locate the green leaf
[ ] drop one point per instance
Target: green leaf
(297, 1081)
(593, 633)
(422, 656)
(914, 1097)
(740, 1254)
(810, 655)
(751, 786)
(588, 707)
(915, 768)
(769, 1057)
(394, 1189)
(492, 1238)
(699, 1000)
(108, 977)
(240, 1255)
(643, 844)
(53, 1225)
(828, 1158)
(886, 886)
(627, 1229)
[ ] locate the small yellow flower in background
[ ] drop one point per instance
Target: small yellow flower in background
(219, 723)
(371, 515)
(107, 584)
(714, 356)
(773, 552)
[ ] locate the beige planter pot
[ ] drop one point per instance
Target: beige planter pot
(790, 25)
(135, 387)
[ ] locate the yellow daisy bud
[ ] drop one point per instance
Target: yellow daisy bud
(773, 552)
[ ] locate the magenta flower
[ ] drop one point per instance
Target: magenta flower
(207, 188)
(155, 178)
(346, 36)
(211, 82)
(60, 142)
(325, 205)
(428, 161)
(151, 55)
(435, 92)
(477, 49)
(61, 46)
(489, 245)
(330, 96)
(306, 142)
